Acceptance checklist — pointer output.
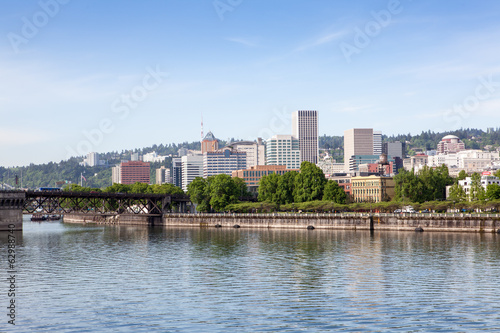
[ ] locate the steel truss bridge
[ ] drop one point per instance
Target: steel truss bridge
(62, 202)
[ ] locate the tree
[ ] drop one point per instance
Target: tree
(477, 191)
(407, 187)
(457, 193)
(216, 192)
(268, 187)
(333, 192)
(309, 183)
(462, 175)
(286, 185)
(493, 192)
(497, 173)
(199, 194)
(241, 187)
(223, 191)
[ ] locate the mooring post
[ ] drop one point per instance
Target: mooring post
(371, 223)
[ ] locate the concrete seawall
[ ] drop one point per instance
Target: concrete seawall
(126, 219)
(346, 221)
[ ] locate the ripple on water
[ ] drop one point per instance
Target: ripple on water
(77, 278)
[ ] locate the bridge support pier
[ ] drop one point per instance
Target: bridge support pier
(11, 210)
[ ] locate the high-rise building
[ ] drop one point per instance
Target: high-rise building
(223, 161)
(163, 176)
(134, 171)
(283, 150)
(393, 149)
(177, 171)
(92, 160)
(116, 174)
(305, 128)
(377, 143)
(357, 141)
(256, 151)
(209, 143)
(192, 167)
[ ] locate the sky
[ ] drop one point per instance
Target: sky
(79, 76)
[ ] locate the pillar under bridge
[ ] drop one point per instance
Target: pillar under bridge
(11, 210)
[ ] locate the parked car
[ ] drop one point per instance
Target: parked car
(397, 211)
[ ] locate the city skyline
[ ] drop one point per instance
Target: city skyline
(76, 76)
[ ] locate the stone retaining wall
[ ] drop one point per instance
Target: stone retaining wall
(403, 222)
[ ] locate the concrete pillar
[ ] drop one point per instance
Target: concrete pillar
(11, 210)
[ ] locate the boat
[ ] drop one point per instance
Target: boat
(38, 217)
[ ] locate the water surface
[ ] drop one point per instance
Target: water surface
(87, 278)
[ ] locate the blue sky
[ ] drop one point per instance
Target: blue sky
(89, 75)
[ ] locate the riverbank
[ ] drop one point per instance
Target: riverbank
(346, 221)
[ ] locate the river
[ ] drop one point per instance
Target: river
(95, 278)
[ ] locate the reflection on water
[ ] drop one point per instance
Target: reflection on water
(83, 277)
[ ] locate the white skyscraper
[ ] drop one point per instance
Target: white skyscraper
(283, 150)
(305, 128)
(192, 167)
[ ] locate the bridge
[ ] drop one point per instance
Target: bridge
(14, 203)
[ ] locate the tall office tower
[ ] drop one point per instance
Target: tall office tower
(177, 171)
(283, 150)
(357, 141)
(305, 128)
(134, 171)
(393, 149)
(192, 167)
(377, 143)
(209, 143)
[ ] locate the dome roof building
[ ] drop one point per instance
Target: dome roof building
(450, 144)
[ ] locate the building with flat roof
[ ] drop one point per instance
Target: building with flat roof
(394, 149)
(223, 161)
(192, 167)
(305, 128)
(415, 162)
(163, 176)
(357, 141)
(252, 175)
(177, 171)
(486, 179)
(372, 188)
(283, 150)
(116, 175)
(134, 171)
(377, 142)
